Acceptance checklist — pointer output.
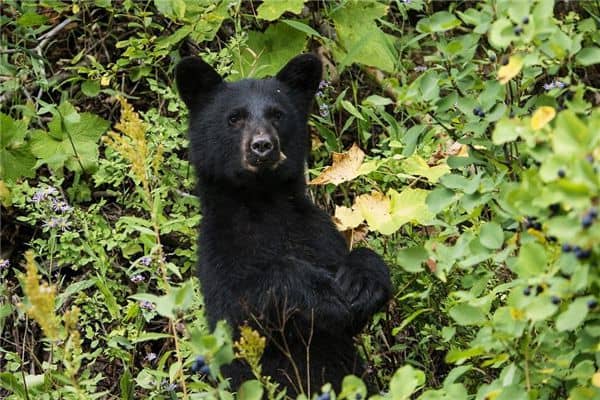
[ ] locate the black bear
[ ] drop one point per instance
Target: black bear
(268, 256)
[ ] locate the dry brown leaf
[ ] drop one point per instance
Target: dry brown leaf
(344, 168)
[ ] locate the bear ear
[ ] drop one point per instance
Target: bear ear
(195, 79)
(302, 73)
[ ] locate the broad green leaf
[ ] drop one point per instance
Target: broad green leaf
(270, 10)
(573, 316)
(466, 314)
(416, 165)
(491, 235)
(440, 198)
(411, 259)
(405, 382)
(251, 390)
(588, 56)
(532, 260)
(16, 160)
(571, 135)
(267, 52)
(361, 39)
(75, 146)
(90, 88)
(441, 21)
(501, 33)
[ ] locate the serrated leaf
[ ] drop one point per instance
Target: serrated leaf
(270, 10)
(345, 167)
(510, 70)
(541, 117)
(77, 144)
(267, 52)
(362, 40)
(16, 160)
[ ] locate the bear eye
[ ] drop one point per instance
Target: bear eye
(276, 115)
(234, 118)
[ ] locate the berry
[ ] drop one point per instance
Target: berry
(569, 94)
(539, 289)
(477, 111)
(358, 396)
(527, 291)
(593, 213)
(554, 208)
(587, 221)
(552, 239)
(566, 248)
(205, 370)
(592, 304)
(555, 300)
(537, 226)
(581, 254)
(324, 396)
(561, 173)
(525, 20)
(518, 30)
(492, 57)
(198, 364)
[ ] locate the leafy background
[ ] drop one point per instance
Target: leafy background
(468, 145)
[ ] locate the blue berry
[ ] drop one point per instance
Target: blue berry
(477, 111)
(555, 300)
(592, 304)
(205, 370)
(587, 221)
(525, 20)
(593, 212)
(527, 291)
(518, 30)
(324, 396)
(582, 254)
(566, 248)
(198, 364)
(561, 173)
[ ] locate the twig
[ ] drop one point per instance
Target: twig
(49, 35)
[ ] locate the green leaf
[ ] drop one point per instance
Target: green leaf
(440, 198)
(405, 382)
(573, 316)
(416, 165)
(270, 51)
(10, 383)
(410, 259)
(16, 160)
(466, 314)
(72, 140)
(588, 56)
(90, 88)
(302, 27)
(270, 10)
(532, 260)
(491, 235)
(441, 21)
(361, 39)
(507, 130)
(251, 390)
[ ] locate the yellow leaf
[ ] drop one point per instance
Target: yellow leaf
(345, 167)
(509, 71)
(347, 218)
(416, 165)
(541, 117)
(596, 379)
(375, 208)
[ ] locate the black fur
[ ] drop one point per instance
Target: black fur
(268, 256)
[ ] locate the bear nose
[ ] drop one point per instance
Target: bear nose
(261, 146)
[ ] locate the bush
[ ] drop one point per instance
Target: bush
(469, 136)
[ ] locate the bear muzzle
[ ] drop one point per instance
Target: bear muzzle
(261, 151)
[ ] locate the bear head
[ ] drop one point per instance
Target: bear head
(250, 132)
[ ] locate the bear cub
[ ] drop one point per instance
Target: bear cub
(269, 258)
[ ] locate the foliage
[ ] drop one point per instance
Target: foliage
(461, 140)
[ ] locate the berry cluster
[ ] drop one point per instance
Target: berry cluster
(199, 366)
(479, 112)
(592, 303)
(519, 29)
(581, 254)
